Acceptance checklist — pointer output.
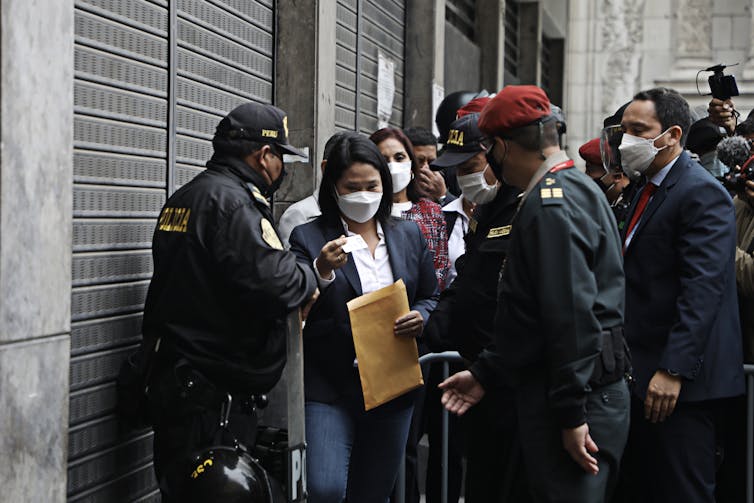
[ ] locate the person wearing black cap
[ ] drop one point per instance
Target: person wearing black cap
(463, 319)
(704, 135)
(447, 112)
(221, 289)
(559, 319)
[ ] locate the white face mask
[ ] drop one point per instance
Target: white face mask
(401, 174)
(476, 189)
(359, 206)
(637, 153)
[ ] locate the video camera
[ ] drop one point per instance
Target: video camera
(737, 181)
(722, 86)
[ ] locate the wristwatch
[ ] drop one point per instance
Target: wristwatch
(672, 373)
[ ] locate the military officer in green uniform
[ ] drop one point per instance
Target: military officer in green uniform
(559, 317)
(463, 318)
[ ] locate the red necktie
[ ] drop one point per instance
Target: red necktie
(646, 194)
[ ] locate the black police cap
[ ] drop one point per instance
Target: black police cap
(464, 141)
(259, 123)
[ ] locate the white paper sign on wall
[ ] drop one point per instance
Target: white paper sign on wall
(438, 94)
(385, 89)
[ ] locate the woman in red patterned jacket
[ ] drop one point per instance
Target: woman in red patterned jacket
(408, 203)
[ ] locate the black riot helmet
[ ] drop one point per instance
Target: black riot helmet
(446, 112)
(227, 474)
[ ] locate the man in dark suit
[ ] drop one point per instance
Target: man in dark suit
(681, 311)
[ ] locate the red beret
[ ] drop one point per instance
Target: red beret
(473, 107)
(513, 107)
(590, 152)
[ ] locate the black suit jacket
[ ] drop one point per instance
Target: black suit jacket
(328, 343)
(681, 304)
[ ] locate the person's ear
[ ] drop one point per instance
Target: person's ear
(262, 155)
(675, 135)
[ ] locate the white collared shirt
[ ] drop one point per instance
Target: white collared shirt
(375, 272)
(456, 244)
(656, 180)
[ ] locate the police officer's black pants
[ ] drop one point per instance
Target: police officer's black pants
(182, 427)
(494, 463)
(553, 476)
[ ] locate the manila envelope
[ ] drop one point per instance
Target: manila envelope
(388, 365)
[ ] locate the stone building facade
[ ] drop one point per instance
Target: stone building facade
(618, 47)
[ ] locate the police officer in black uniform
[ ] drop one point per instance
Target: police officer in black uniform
(560, 310)
(220, 293)
(463, 322)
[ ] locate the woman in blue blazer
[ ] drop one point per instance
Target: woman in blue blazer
(353, 454)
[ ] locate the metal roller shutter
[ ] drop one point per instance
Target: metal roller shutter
(224, 58)
(364, 29)
(136, 81)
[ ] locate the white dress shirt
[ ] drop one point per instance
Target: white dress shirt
(398, 209)
(375, 271)
(456, 244)
(656, 180)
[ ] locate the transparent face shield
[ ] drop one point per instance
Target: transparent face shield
(610, 139)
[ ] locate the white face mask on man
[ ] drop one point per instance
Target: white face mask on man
(359, 206)
(475, 188)
(637, 153)
(400, 172)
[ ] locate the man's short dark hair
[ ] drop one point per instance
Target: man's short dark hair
(745, 128)
(537, 136)
(420, 136)
(670, 107)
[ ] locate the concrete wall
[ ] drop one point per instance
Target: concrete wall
(614, 49)
(36, 155)
(462, 62)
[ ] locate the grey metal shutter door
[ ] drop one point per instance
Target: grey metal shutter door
(120, 137)
(364, 28)
(223, 57)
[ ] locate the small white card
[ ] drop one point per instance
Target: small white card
(354, 243)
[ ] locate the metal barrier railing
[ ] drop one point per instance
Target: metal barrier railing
(449, 357)
(446, 358)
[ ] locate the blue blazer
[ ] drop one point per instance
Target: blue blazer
(681, 301)
(328, 343)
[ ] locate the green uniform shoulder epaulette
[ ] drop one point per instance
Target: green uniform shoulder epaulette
(550, 190)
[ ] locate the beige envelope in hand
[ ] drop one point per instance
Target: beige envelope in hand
(388, 365)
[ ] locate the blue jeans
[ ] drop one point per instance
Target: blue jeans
(353, 455)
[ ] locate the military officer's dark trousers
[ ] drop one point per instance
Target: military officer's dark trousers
(183, 426)
(494, 464)
(553, 476)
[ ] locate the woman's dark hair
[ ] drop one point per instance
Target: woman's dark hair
(347, 150)
(388, 132)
